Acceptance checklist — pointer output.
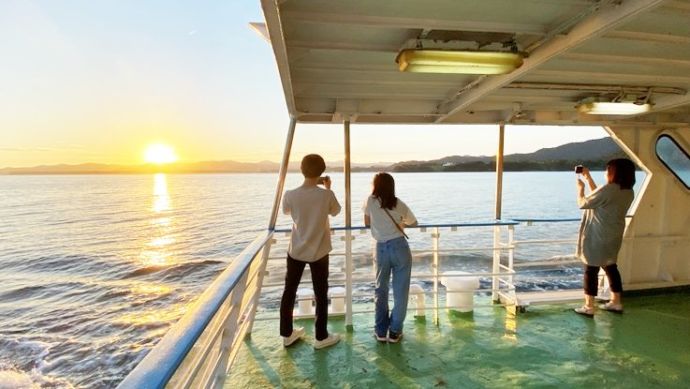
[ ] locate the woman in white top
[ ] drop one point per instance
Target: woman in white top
(387, 216)
(601, 230)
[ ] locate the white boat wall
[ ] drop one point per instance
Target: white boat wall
(656, 243)
(337, 64)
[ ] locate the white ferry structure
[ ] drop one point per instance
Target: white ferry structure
(620, 64)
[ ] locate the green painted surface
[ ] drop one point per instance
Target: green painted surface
(548, 346)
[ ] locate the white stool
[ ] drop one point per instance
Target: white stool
(417, 297)
(460, 290)
(337, 299)
(305, 297)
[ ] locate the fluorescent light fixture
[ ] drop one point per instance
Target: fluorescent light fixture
(613, 108)
(452, 61)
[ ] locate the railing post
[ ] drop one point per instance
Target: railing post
(230, 327)
(496, 268)
(511, 259)
(435, 236)
(348, 225)
(265, 253)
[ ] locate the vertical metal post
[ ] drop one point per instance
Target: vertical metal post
(511, 260)
(272, 221)
(435, 236)
(499, 171)
(283, 172)
(348, 225)
(497, 213)
(231, 325)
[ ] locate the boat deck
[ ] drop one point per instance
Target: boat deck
(548, 346)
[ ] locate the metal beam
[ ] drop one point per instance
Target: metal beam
(638, 78)
(667, 103)
(619, 59)
(275, 33)
(593, 26)
(421, 23)
(283, 172)
(349, 46)
(648, 36)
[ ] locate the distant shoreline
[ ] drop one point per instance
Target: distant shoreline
(592, 153)
(291, 172)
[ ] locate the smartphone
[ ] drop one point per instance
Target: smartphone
(322, 180)
(578, 169)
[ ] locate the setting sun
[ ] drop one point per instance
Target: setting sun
(159, 154)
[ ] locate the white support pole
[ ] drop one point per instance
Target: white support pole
(272, 221)
(283, 172)
(435, 236)
(497, 211)
(511, 260)
(499, 171)
(348, 225)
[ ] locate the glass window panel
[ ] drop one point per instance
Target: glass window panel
(674, 158)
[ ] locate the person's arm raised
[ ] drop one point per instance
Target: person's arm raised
(590, 180)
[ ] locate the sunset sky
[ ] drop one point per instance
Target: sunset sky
(99, 81)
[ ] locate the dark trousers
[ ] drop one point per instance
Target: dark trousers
(319, 277)
(592, 279)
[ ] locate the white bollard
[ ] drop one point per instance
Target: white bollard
(337, 300)
(417, 296)
(305, 297)
(460, 290)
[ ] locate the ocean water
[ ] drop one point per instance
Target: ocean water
(95, 269)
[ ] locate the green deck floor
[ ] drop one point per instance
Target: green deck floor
(548, 346)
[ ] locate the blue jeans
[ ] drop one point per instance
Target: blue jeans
(393, 257)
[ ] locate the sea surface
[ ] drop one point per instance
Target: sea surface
(95, 268)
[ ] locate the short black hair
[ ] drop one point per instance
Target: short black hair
(623, 172)
(312, 166)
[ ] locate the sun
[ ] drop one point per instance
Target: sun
(159, 154)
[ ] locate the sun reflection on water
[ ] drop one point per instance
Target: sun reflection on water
(161, 199)
(156, 251)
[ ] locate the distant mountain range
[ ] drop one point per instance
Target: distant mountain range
(593, 153)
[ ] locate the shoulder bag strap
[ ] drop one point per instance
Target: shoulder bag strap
(394, 222)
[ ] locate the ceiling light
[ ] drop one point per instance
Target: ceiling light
(464, 62)
(614, 108)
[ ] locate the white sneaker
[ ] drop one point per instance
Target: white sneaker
(330, 341)
(296, 334)
(611, 307)
(585, 311)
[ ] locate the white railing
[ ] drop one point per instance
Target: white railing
(501, 271)
(198, 351)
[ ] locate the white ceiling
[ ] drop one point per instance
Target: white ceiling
(337, 59)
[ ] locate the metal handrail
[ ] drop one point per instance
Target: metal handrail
(167, 363)
(161, 363)
(496, 223)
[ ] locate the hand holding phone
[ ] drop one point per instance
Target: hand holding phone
(325, 181)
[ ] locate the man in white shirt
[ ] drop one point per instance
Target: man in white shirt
(310, 242)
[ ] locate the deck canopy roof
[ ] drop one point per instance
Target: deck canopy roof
(337, 59)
